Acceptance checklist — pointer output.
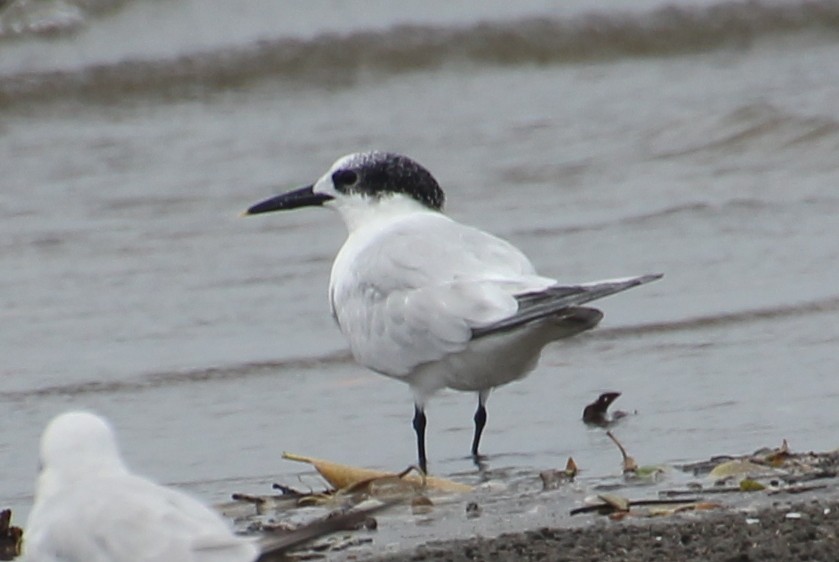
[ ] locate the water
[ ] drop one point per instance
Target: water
(698, 140)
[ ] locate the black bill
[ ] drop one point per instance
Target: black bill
(303, 197)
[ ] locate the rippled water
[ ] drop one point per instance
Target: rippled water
(698, 140)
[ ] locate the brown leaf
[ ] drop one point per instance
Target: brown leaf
(619, 503)
(737, 467)
(571, 468)
(342, 476)
(778, 457)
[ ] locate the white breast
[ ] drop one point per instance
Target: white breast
(407, 292)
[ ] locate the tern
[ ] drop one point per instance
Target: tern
(432, 302)
(89, 507)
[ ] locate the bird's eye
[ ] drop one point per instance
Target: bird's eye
(344, 178)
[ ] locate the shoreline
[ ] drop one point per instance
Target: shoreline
(785, 530)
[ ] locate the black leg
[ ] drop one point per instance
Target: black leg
(480, 421)
(419, 428)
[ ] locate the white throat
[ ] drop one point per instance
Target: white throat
(358, 212)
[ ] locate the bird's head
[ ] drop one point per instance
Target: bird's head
(361, 184)
(74, 445)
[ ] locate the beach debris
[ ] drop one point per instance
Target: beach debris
(421, 505)
(739, 467)
(775, 457)
(631, 470)
(259, 505)
(10, 536)
(551, 479)
(769, 470)
(571, 468)
(618, 503)
(661, 511)
(390, 487)
(347, 486)
(596, 412)
(750, 485)
(346, 477)
(473, 510)
(288, 491)
(702, 468)
(618, 507)
(780, 462)
(796, 489)
(247, 498)
(244, 506)
(745, 485)
(279, 539)
(629, 464)
(693, 491)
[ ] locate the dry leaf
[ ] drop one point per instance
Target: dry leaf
(737, 467)
(571, 468)
(619, 503)
(749, 485)
(342, 476)
(780, 455)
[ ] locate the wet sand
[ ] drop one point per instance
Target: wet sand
(784, 530)
(785, 509)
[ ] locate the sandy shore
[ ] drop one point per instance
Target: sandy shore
(783, 531)
(771, 505)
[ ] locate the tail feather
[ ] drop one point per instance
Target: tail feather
(553, 300)
(572, 320)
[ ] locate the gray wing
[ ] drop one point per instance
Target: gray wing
(424, 288)
(535, 305)
(415, 294)
(407, 328)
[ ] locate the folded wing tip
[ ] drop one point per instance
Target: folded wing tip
(650, 277)
(632, 281)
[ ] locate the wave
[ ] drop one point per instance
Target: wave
(696, 209)
(275, 368)
(339, 60)
(26, 18)
(753, 126)
(208, 374)
(643, 218)
(820, 306)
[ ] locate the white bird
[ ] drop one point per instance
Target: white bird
(90, 508)
(429, 301)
